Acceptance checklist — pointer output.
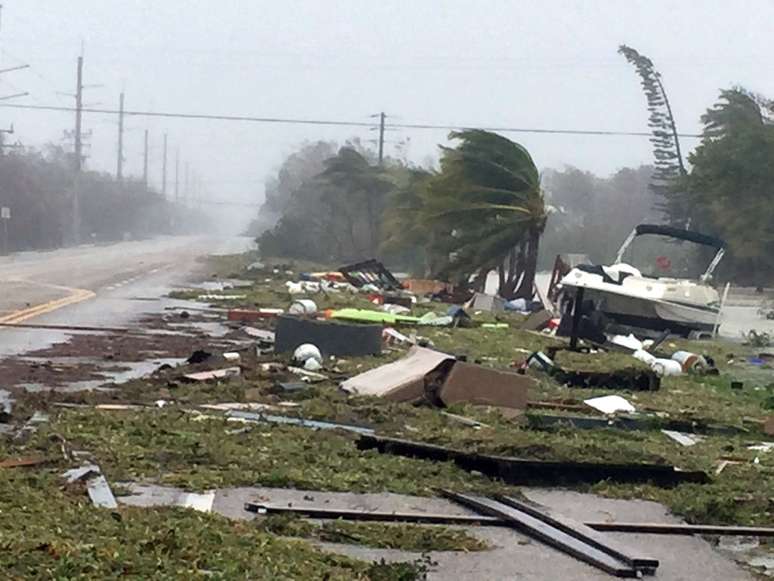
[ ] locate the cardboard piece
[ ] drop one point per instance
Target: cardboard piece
(537, 321)
(423, 286)
(478, 385)
(768, 427)
(446, 381)
(402, 380)
(484, 302)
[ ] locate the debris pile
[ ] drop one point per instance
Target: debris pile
(358, 380)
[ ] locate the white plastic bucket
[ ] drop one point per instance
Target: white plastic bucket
(305, 352)
(303, 307)
(665, 367)
(689, 361)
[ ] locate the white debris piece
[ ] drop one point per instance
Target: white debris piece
(216, 374)
(610, 404)
(666, 367)
(202, 502)
(96, 485)
(628, 341)
(221, 297)
(762, 447)
(683, 438)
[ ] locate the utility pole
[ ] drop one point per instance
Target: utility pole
(185, 184)
(79, 117)
(2, 139)
(177, 175)
(76, 225)
(164, 169)
(382, 117)
(120, 165)
(145, 163)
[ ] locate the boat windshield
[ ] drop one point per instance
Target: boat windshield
(660, 256)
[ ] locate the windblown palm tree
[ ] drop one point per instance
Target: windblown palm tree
(487, 199)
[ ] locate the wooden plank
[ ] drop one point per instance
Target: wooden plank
(452, 519)
(548, 534)
(680, 529)
(524, 471)
(379, 516)
(21, 462)
(582, 532)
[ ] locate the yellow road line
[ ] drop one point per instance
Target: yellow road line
(76, 296)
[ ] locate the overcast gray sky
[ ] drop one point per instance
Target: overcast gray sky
(545, 64)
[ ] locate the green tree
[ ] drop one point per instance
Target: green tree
(731, 184)
(668, 165)
(407, 238)
(487, 202)
(335, 215)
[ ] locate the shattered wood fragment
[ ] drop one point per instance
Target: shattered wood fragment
(96, 485)
(216, 374)
(523, 471)
(370, 272)
(300, 422)
(249, 315)
(22, 462)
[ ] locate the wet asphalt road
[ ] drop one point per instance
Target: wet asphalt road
(96, 285)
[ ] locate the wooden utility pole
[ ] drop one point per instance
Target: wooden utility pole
(3, 132)
(177, 175)
(382, 117)
(120, 163)
(145, 162)
(185, 184)
(79, 117)
(164, 169)
(78, 161)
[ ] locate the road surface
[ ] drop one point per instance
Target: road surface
(95, 285)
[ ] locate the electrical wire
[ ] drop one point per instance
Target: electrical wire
(288, 121)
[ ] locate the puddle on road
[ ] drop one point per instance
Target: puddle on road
(127, 371)
(215, 330)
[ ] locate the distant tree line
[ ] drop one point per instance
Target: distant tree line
(38, 188)
(486, 207)
(482, 210)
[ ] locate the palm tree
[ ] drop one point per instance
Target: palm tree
(487, 199)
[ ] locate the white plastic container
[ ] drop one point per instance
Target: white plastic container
(305, 352)
(690, 362)
(666, 367)
(303, 307)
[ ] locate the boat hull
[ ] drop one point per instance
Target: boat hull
(649, 314)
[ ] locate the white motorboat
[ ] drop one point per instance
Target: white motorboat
(660, 280)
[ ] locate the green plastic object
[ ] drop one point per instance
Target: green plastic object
(367, 316)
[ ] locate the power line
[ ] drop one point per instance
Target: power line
(289, 121)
